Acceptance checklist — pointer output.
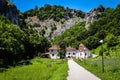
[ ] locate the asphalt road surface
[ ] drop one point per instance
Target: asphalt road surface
(76, 72)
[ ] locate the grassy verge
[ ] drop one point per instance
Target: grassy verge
(112, 67)
(41, 69)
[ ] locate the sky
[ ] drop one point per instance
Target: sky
(84, 5)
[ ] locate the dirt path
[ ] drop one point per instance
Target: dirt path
(77, 72)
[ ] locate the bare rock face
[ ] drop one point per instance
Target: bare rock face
(50, 28)
(10, 11)
(53, 28)
(93, 15)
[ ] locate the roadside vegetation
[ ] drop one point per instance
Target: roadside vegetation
(39, 69)
(111, 66)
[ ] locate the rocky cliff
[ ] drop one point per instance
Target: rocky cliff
(51, 28)
(57, 20)
(9, 10)
(93, 15)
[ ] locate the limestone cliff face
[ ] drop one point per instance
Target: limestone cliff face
(93, 15)
(10, 11)
(53, 28)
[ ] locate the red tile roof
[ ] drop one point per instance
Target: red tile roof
(55, 47)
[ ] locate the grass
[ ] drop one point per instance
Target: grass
(40, 69)
(112, 67)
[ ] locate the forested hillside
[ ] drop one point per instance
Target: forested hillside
(72, 36)
(107, 27)
(51, 20)
(53, 12)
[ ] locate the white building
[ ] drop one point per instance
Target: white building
(53, 52)
(70, 52)
(82, 52)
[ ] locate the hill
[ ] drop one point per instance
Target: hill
(105, 28)
(49, 20)
(52, 20)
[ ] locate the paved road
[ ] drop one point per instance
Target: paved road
(77, 72)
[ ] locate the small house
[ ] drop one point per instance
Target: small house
(70, 52)
(83, 52)
(53, 52)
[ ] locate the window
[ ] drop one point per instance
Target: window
(73, 53)
(85, 54)
(69, 53)
(51, 50)
(52, 54)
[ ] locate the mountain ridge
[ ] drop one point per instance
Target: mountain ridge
(49, 20)
(60, 22)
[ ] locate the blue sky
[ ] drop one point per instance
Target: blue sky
(84, 5)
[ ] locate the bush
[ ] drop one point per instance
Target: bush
(113, 41)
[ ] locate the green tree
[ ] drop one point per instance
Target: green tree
(11, 40)
(17, 45)
(113, 41)
(62, 44)
(92, 42)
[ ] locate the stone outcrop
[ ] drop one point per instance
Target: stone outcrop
(47, 25)
(93, 15)
(10, 11)
(64, 24)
